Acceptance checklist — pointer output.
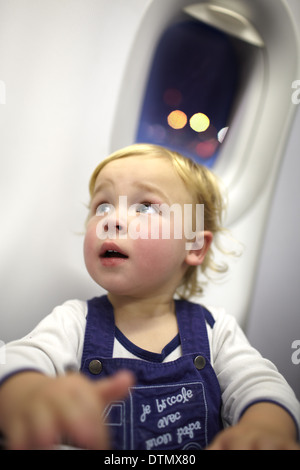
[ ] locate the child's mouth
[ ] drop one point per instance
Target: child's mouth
(113, 254)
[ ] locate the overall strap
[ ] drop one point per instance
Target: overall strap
(192, 319)
(100, 328)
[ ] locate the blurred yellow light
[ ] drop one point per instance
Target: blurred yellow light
(177, 119)
(199, 122)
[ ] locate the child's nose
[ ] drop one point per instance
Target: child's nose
(113, 224)
(116, 225)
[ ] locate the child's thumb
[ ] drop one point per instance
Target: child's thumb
(115, 387)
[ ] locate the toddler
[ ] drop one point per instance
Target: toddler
(143, 367)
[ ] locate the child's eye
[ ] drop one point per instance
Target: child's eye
(103, 208)
(147, 208)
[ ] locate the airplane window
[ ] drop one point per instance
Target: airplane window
(190, 92)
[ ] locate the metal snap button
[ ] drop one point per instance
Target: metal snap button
(95, 367)
(199, 362)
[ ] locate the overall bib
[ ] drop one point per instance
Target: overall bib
(172, 405)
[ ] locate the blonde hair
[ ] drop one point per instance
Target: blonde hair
(204, 188)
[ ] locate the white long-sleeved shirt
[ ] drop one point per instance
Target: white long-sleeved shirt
(245, 377)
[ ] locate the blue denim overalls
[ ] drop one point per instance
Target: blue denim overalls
(172, 405)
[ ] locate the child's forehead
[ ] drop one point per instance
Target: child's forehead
(156, 169)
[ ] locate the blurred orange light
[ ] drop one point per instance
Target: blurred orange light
(199, 122)
(177, 119)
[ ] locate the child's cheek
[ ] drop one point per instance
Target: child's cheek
(155, 254)
(90, 242)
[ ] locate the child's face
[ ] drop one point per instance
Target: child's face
(144, 265)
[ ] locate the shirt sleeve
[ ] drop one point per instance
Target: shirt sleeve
(245, 377)
(53, 347)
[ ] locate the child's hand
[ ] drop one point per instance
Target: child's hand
(263, 426)
(54, 409)
(242, 437)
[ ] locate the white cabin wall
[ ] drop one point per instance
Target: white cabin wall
(60, 62)
(274, 317)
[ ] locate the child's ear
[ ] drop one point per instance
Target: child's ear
(195, 255)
